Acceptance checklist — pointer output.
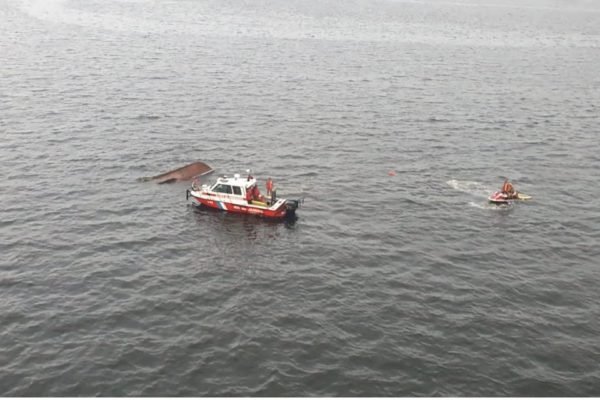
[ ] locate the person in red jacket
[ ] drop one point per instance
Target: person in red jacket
(269, 186)
(257, 195)
(509, 190)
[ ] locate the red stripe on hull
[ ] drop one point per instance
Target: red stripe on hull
(238, 209)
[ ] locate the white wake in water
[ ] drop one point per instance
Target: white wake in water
(476, 189)
(471, 187)
(59, 12)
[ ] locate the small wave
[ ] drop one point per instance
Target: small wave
(489, 206)
(142, 117)
(308, 174)
(292, 191)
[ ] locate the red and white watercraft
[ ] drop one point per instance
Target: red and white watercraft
(500, 197)
(241, 195)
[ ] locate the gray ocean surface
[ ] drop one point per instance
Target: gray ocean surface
(386, 285)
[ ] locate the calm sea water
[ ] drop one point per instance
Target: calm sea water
(405, 284)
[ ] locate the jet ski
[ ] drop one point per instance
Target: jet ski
(500, 197)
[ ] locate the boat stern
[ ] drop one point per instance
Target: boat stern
(292, 205)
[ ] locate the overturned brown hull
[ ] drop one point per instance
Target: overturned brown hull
(185, 173)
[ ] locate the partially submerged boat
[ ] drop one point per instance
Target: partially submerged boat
(185, 173)
(241, 195)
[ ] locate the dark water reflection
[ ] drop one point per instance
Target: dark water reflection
(386, 284)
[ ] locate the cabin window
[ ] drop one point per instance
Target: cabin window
(221, 188)
(237, 190)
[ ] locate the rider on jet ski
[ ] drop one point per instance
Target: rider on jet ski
(509, 190)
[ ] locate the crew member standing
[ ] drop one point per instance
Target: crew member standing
(269, 186)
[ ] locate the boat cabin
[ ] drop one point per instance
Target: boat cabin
(238, 188)
(241, 195)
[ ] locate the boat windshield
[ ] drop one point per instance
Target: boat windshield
(222, 188)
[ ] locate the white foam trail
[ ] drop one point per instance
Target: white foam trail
(49, 10)
(471, 187)
(289, 25)
(57, 11)
(477, 189)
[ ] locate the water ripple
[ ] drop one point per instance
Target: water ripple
(388, 284)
